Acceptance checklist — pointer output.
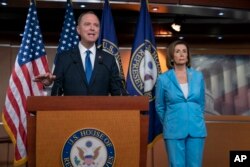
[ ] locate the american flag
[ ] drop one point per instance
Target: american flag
(69, 37)
(31, 61)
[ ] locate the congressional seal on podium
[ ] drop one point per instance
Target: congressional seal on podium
(88, 148)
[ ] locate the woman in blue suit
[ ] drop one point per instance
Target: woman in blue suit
(180, 102)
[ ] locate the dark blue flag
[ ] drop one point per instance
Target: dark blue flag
(144, 68)
(107, 40)
(69, 37)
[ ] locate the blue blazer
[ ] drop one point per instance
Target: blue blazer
(71, 78)
(181, 116)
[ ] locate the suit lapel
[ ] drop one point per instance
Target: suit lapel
(76, 57)
(174, 80)
(190, 80)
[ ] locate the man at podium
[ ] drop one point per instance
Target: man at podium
(85, 70)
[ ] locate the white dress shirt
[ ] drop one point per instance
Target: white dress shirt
(83, 54)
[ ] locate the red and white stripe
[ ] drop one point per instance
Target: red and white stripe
(15, 112)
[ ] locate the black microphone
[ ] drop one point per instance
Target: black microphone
(117, 80)
(100, 60)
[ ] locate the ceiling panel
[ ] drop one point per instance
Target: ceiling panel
(200, 19)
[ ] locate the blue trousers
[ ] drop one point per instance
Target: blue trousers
(187, 152)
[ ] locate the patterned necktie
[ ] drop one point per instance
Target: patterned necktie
(88, 66)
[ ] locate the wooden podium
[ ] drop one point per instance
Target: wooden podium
(54, 119)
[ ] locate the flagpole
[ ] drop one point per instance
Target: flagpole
(151, 150)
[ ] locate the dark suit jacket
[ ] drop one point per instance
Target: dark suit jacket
(71, 79)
